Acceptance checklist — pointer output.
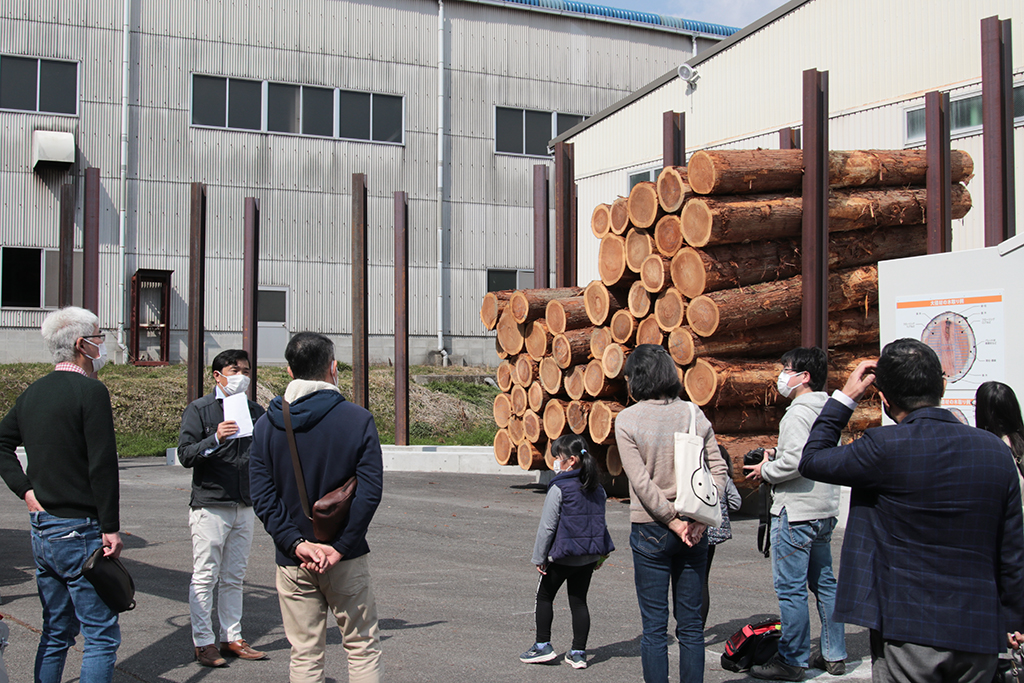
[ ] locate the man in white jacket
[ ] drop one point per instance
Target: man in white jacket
(804, 513)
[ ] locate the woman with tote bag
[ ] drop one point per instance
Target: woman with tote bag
(669, 547)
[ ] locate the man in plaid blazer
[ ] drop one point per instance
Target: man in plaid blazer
(933, 555)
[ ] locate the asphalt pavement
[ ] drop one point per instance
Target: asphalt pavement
(450, 560)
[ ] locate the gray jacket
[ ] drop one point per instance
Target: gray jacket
(802, 498)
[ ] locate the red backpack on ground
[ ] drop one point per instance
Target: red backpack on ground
(752, 644)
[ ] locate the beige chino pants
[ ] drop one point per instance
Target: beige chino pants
(305, 597)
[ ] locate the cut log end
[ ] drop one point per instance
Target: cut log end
(649, 332)
(622, 327)
(688, 274)
(702, 316)
(602, 421)
(503, 375)
(502, 410)
(613, 362)
(503, 447)
(680, 346)
(639, 245)
(601, 220)
(642, 205)
(639, 300)
(574, 382)
(611, 259)
(550, 376)
(700, 382)
(555, 414)
(696, 222)
(520, 400)
(576, 415)
(672, 188)
(530, 457)
(619, 217)
(612, 462)
(670, 309)
(668, 235)
(600, 338)
(655, 273)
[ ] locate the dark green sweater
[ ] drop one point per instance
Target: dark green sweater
(66, 424)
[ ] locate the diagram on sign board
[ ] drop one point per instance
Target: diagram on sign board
(966, 331)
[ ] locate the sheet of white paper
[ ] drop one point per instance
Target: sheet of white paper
(236, 408)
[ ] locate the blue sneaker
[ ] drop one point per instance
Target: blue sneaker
(577, 659)
(538, 654)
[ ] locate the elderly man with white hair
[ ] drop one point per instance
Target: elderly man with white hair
(66, 424)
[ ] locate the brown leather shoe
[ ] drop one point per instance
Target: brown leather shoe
(207, 655)
(239, 648)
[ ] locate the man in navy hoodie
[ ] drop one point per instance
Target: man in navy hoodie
(335, 440)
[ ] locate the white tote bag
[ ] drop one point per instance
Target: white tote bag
(696, 495)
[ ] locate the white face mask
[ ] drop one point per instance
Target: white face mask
(557, 466)
(237, 384)
(783, 383)
(101, 359)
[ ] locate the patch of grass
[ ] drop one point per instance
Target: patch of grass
(148, 402)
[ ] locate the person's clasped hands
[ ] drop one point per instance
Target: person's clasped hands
(688, 531)
(316, 557)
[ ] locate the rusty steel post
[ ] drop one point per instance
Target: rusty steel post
(814, 320)
(673, 138)
(541, 231)
(939, 181)
(997, 130)
(565, 209)
(401, 319)
(196, 292)
(789, 138)
(91, 242)
(360, 315)
(250, 288)
(66, 241)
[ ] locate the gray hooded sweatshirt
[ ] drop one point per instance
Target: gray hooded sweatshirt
(802, 498)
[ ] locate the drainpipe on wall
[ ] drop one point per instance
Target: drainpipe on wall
(440, 182)
(693, 50)
(122, 213)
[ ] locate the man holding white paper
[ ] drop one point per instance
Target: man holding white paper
(215, 437)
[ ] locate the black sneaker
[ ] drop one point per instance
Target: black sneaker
(834, 668)
(777, 670)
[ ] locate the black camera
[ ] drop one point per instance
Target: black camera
(754, 456)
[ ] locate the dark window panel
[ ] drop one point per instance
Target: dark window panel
(271, 306)
(283, 108)
(508, 130)
(498, 280)
(18, 83)
(567, 121)
(538, 132)
(208, 99)
(354, 115)
(915, 124)
(387, 118)
(58, 87)
(245, 104)
(965, 113)
(1018, 101)
(21, 280)
(317, 111)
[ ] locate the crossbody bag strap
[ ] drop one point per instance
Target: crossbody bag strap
(299, 479)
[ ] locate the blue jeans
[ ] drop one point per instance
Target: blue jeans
(61, 546)
(661, 560)
(802, 558)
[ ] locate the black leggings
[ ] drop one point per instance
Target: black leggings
(578, 583)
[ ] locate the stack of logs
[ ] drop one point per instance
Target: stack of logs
(706, 262)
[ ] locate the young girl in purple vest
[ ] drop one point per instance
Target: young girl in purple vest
(571, 539)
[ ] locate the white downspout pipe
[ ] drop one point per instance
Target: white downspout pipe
(440, 182)
(122, 213)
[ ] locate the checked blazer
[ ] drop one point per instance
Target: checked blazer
(933, 552)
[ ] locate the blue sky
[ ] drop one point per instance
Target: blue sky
(737, 13)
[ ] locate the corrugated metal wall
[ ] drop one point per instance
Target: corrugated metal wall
(881, 58)
(497, 57)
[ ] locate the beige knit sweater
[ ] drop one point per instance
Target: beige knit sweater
(645, 435)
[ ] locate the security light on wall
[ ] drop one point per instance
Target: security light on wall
(688, 74)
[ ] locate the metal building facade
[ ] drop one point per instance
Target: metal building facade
(496, 53)
(881, 58)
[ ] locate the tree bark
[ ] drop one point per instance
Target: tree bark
(731, 383)
(494, 303)
(602, 421)
(572, 347)
(601, 301)
(730, 310)
(503, 447)
(639, 300)
(502, 410)
(510, 333)
(597, 384)
(538, 339)
(503, 375)
(649, 332)
(656, 273)
(669, 309)
(519, 400)
(529, 304)
(573, 381)
(601, 220)
(673, 191)
(600, 338)
(668, 235)
(639, 245)
(566, 314)
(622, 328)
(730, 220)
(620, 217)
(576, 415)
(555, 418)
(642, 205)
(550, 376)
(537, 397)
(774, 170)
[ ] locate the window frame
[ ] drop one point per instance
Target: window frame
(652, 176)
(553, 129)
(264, 110)
(955, 133)
(38, 60)
(77, 256)
(519, 274)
